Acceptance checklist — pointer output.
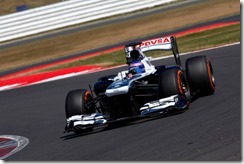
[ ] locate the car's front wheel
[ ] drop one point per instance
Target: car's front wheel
(78, 102)
(173, 82)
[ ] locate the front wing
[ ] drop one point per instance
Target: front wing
(161, 106)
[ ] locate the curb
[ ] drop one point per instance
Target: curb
(44, 77)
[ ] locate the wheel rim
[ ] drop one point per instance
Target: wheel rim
(211, 75)
(180, 82)
(182, 85)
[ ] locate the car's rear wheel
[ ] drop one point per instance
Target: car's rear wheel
(102, 83)
(200, 75)
(173, 82)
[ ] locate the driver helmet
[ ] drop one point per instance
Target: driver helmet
(136, 67)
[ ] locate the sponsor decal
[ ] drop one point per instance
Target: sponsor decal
(155, 42)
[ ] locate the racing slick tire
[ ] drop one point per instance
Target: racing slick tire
(76, 103)
(172, 82)
(200, 75)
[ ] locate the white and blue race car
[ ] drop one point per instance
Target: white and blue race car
(142, 90)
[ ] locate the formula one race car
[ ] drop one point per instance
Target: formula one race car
(142, 90)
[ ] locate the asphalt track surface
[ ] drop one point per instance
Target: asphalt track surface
(209, 131)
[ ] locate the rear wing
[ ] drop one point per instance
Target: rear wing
(164, 44)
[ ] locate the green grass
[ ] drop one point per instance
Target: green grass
(210, 38)
(191, 42)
